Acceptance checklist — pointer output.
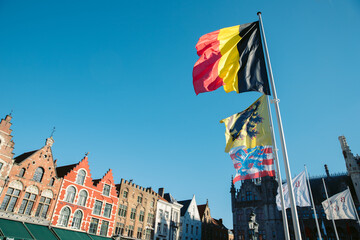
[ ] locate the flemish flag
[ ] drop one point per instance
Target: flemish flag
(231, 57)
(248, 140)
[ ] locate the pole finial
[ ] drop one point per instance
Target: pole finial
(259, 13)
(52, 133)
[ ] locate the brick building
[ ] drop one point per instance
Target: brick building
(30, 192)
(85, 204)
(211, 229)
(137, 209)
(6, 150)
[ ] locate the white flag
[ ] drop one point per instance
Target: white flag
(301, 193)
(341, 206)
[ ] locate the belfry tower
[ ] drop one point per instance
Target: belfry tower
(352, 165)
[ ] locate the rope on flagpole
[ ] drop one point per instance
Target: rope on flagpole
(312, 202)
(330, 209)
(294, 214)
(283, 209)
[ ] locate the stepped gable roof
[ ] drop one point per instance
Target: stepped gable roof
(63, 170)
(201, 209)
(24, 156)
(185, 204)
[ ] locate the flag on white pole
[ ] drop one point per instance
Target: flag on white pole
(301, 193)
(341, 206)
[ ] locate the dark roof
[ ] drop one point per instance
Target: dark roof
(334, 185)
(24, 156)
(169, 198)
(185, 204)
(201, 209)
(96, 181)
(63, 170)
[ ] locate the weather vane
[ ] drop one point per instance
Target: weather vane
(52, 133)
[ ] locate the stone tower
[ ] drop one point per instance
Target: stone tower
(352, 165)
(6, 150)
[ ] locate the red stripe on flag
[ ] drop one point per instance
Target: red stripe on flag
(268, 162)
(205, 73)
(267, 150)
(255, 175)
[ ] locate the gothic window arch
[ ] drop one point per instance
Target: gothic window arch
(38, 175)
(80, 179)
(82, 198)
(78, 215)
(64, 217)
(70, 194)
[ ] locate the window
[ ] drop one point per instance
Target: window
(165, 229)
(148, 234)
(80, 179)
(77, 219)
(43, 207)
(192, 229)
(64, 217)
(150, 219)
(139, 199)
(133, 213)
(93, 225)
(130, 231)
(141, 216)
(160, 213)
(197, 230)
(107, 210)
(125, 193)
(166, 215)
(97, 207)
(248, 196)
(139, 233)
(152, 204)
(21, 173)
(187, 228)
(159, 227)
(104, 228)
(122, 210)
(119, 229)
(106, 190)
(52, 181)
(27, 203)
(1, 164)
(70, 194)
(10, 199)
(38, 175)
(82, 198)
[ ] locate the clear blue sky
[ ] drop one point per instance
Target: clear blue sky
(115, 79)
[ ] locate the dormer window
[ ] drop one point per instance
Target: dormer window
(22, 172)
(106, 190)
(38, 175)
(81, 177)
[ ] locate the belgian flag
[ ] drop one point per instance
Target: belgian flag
(233, 58)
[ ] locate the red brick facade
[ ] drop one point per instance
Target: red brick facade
(6, 150)
(85, 204)
(32, 187)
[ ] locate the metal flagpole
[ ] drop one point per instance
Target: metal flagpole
(294, 214)
(312, 202)
(330, 209)
(352, 200)
(283, 213)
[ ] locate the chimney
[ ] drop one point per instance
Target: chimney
(220, 221)
(161, 192)
(327, 170)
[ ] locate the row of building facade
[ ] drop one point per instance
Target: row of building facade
(34, 189)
